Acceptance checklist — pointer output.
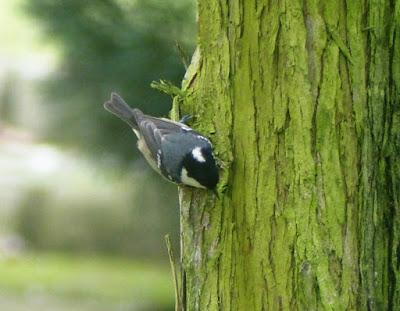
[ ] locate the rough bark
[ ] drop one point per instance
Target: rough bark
(302, 101)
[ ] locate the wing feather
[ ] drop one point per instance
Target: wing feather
(154, 130)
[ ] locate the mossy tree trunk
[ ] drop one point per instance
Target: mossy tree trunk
(302, 101)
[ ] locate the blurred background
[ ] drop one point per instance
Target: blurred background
(82, 217)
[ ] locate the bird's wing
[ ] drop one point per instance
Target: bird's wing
(155, 130)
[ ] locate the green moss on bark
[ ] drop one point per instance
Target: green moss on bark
(301, 100)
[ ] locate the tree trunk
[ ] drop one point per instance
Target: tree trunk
(302, 102)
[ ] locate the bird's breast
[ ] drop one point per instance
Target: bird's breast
(142, 146)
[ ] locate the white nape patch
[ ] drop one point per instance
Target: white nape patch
(185, 179)
(198, 155)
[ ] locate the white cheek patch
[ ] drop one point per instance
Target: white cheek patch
(198, 155)
(185, 179)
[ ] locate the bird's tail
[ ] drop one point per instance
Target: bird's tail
(121, 109)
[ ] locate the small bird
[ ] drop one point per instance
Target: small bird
(173, 149)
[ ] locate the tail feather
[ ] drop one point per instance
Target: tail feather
(121, 109)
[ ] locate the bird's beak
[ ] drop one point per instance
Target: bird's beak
(216, 193)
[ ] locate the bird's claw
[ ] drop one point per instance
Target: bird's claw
(186, 118)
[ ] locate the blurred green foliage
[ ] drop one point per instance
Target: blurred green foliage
(110, 45)
(84, 283)
(111, 205)
(106, 45)
(84, 215)
(7, 101)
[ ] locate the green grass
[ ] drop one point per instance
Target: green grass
(87, 278)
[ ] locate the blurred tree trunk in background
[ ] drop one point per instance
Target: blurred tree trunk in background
(302, 100)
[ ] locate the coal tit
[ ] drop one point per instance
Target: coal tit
(173, 149)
